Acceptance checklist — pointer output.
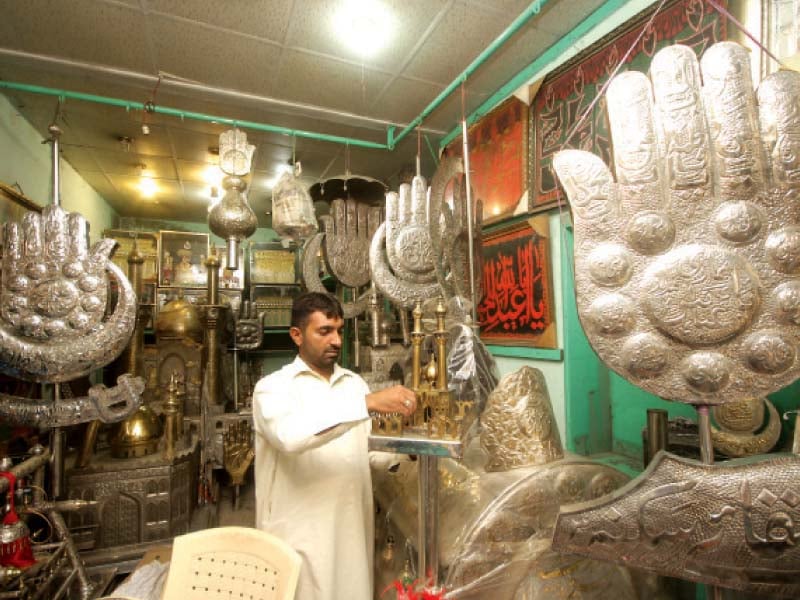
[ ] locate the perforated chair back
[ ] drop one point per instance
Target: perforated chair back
(231, 563)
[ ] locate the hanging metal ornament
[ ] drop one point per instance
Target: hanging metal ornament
(293, 216)
(232, 218)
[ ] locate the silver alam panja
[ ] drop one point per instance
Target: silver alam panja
(421, 249)
(685, 269)
(345, 246)
(685, 266)
(401, 254)
(53, 298)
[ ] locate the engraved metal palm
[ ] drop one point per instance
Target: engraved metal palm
(401, 255)
(347, 237)
(237, 450)
(249, 329)
(53, 300)
(686, 264)
(449, 231)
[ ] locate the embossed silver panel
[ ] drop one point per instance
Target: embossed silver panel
(519, 428)
(447, 224)
(739, 422)
(401, 254)
(53, 297)
(347, 236)
(105, 404)
(685, 260)
(312, 281)
(735, 524)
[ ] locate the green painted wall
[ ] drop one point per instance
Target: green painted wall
(26, 162)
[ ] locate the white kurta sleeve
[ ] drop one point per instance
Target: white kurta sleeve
(290, 428)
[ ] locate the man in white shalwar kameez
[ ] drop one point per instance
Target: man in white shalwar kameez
(313, 483)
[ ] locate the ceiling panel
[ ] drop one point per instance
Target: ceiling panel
(133, 165)
(445, 55)
(510, 59)
(406, 98)
(193, 172)
(213, 56)
(81, 160)
(314, 27)
(287, 50)
(327, 82)
(556, 20)
(194, 146)
(86, 30)
(264, 19)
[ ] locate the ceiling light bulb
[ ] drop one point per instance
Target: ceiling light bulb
(365, 26)
(147, 187)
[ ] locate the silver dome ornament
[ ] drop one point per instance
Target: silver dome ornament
(232, 218)
(293, 216)
(53, 297)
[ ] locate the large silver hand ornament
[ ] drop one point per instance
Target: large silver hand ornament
(53, 298)
(346, 247)
(249, 329)
(686, 266)
(347, 237)
(449, 231)
(401, 254)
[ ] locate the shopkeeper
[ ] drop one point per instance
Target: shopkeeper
(313, 483)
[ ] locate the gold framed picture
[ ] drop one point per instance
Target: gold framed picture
(181, 259)
(271, 263)
(146, 243)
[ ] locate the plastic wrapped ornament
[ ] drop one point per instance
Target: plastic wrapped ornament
(292, 209)
(232, 218)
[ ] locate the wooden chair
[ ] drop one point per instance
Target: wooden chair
(231, 563)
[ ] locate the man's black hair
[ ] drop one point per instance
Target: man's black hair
(306, 304)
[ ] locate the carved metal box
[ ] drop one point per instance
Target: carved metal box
(139, 499)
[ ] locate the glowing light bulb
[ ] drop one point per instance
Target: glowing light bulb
(364, 26)
(147, 186)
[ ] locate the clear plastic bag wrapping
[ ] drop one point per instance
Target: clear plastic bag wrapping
(495, 529)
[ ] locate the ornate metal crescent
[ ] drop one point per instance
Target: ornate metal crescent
(401, 292)
(311, 277)
(686, 261)
(736, 524)
(105, 404)
(68, 359)
(738, 444)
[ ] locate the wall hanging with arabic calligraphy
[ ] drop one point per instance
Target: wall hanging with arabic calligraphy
(566, 94)
(517, 306)
(498, 150)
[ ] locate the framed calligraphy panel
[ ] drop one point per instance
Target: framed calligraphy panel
(517, 306)
(498, 150)
(565, 95)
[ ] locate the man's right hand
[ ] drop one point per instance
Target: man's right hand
(396, 399)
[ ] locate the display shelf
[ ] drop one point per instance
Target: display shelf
(410, 444)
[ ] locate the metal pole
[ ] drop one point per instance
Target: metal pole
(185, 114)
(55, 132)
(428, 520)
(148, 81)
(657, 426)
(707, 456)
(470, 226)
(58, 442)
